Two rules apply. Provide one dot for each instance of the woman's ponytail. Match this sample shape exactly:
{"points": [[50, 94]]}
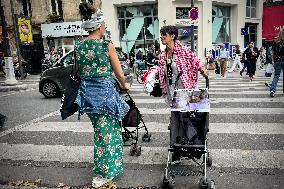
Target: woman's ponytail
{"points": [[86, 10]]}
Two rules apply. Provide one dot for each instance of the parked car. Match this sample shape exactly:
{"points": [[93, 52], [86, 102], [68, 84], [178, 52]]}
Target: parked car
{"points": [[53, 80]]}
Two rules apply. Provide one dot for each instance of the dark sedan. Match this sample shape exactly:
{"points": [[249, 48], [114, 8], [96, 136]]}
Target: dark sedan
{"points": [[52, 80]]}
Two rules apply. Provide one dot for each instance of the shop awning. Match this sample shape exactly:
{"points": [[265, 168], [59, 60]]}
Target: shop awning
{"points": [[272, 22]]}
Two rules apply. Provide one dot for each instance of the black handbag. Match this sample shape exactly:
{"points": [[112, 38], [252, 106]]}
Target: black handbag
{"points": [[68, 106], [157, 91]]}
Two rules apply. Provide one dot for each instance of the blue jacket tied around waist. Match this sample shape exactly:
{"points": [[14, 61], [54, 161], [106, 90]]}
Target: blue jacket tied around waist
{"points": [[99, 95]]}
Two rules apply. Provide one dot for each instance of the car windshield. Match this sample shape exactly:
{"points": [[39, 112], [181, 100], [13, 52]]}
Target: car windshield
{"points": [[65, 60]]}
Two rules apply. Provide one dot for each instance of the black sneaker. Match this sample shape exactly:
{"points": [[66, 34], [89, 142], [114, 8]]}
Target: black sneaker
{"points": [[241, 73], [272, 94]]}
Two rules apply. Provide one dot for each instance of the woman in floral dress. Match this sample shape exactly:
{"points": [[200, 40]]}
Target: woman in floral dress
{"points": [[98, 98]]}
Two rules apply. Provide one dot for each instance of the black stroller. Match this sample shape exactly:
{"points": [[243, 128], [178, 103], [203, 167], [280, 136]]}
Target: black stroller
{"points": [[133, 119], [189, 125]]}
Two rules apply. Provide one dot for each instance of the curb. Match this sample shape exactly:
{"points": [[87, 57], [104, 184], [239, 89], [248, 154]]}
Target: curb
{"points": [[7, 88]]}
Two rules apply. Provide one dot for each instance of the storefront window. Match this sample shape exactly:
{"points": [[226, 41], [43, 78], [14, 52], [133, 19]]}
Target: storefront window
{"points": [[252, 33], [138, 26], [221, 30], [251, 8]]}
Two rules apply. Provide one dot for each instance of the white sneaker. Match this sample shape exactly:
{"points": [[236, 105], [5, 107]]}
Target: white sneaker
{"points": [[99, 181]]}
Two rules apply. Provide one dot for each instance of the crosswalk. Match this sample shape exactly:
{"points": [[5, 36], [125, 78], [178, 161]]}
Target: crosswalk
{"points": [[246, 139]]}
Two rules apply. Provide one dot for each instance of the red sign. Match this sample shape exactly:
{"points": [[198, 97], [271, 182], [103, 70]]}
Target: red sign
{"points": [[272, 22]]}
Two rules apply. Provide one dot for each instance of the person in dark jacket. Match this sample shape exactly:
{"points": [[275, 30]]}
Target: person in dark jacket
{"points": [[250, 56], [277, 60]]}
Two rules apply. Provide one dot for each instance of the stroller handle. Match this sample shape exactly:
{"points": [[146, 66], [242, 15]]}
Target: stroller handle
{"points": [[207, 82], [117, 85], [206, 78]]}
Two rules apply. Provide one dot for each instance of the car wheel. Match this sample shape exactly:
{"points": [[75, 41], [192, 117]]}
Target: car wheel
{"points": [[50, 89]]}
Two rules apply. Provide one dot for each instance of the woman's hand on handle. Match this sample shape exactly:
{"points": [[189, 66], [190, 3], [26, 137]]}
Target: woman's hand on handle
{"points": [[126, 86], [204, 72]]}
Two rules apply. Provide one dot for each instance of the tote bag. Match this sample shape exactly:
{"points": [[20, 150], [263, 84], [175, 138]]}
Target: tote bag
{"points": [[68, 106]]}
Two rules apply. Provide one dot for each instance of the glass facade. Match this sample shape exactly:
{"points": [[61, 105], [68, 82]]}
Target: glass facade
{"points": [[138, 27], [221, 29]]}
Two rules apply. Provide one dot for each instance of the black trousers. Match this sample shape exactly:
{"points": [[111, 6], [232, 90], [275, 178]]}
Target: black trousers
{"points": [[250, 69]]}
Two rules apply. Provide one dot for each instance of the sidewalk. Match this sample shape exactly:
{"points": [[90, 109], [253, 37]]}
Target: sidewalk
{"points": [[30, 82]]}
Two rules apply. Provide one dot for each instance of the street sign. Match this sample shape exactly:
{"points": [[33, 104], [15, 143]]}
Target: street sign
{"points": [[244, 31]]}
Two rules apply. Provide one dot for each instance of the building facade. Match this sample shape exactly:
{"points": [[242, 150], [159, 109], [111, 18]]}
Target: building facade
{"points": [[136, 23]]}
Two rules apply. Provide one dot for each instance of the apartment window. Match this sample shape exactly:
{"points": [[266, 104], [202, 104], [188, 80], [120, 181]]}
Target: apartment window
{"points": [[56, 7], [27, 8], [221, 22], [251, 8]]}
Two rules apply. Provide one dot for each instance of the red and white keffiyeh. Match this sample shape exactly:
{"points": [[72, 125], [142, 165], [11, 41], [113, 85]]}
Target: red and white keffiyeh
{"points": [[187, 62]]}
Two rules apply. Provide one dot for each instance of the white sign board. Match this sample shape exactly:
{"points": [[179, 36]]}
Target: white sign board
{"points": [[63, 29]]}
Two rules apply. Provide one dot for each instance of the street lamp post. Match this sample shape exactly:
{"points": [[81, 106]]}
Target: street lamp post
{"points": [[5, 37], [17, 39], [192, 30]]}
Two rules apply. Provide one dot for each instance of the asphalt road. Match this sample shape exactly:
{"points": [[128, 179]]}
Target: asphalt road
{"points": [[246, 140]]}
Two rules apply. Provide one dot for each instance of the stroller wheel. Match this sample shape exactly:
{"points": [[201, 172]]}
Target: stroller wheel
{"points": [[206, 184], [175, 157], [146, 137], [167, 183], [132, 150], [209, 160], [138, 150]]}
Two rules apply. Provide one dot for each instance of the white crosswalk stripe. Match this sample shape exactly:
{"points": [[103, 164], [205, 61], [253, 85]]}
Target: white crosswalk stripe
{"points": [[152, 153]]}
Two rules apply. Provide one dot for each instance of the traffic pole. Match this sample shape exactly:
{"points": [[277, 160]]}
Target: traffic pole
{"points": [[192, 30], [14, 17]]}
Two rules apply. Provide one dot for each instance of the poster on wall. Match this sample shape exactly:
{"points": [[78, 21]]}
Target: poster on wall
{"points": [[25, 30]]}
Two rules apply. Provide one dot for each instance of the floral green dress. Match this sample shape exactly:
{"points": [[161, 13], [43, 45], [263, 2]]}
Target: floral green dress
{"points": [[93, 59]]}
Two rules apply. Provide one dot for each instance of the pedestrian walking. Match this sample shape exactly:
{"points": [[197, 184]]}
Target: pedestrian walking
{"points": [[177, 59], [223, 58], [255, 53], [277, 60], [237, 61], [250, 56], [98, 97]]}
